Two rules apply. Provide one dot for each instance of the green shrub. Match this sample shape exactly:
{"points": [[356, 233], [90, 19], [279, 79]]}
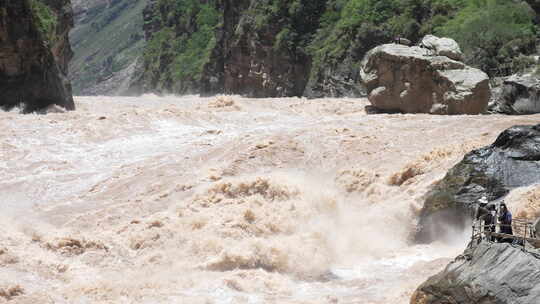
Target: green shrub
{"points": [[194, 51], [336, 34], [177, 54], [45, 18], [484, 27]]}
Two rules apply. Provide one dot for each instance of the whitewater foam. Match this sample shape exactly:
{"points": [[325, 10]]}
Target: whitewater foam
{"points": [[224, 200]]}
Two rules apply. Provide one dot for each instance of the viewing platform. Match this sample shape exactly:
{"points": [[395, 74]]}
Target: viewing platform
{"points": [[524, 233]]}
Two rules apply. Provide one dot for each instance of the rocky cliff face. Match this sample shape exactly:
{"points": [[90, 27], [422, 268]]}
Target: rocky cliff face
{"points": [[512, 161], [255, 48], [267, 48], [34, 54], [260, 58], [488, 273], [238, 47], [180, 42]]}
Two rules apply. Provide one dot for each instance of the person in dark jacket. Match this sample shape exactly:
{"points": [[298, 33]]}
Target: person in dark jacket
{"points": [[485, 216], [489, 221], [505, 218], [481, 211]]}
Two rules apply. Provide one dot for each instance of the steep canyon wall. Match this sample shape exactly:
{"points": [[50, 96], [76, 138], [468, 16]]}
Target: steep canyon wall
{"points": [[34, 54], [254, 48]]}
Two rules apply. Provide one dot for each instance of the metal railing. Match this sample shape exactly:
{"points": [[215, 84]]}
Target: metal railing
{"points": [[522, 233]]}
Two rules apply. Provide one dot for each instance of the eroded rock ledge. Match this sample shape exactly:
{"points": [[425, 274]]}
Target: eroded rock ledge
{"points": [[512, 161], [34, 52], [494, 273]]}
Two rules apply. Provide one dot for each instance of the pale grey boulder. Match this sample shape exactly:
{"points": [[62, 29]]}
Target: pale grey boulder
{"points": [[442, 47], [412, 80]]}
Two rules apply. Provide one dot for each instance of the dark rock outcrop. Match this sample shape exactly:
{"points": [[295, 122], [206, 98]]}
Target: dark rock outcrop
{"points": [[512, 161], [341, 78], [34, 56], [494, 273], [416, 80], [254, 65], [60, 43], [519, 94]]}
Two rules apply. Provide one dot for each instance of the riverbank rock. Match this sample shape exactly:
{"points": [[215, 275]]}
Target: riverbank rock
{"points": [[519, 94], [34, 58], [488, 273], [512, 161], [413, 80]]}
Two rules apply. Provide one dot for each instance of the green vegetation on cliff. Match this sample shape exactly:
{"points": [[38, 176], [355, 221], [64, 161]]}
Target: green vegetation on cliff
{"points": [[45, 18], [493, 33], [298, 20], [34, 51], [191, 40], [177, 53]]}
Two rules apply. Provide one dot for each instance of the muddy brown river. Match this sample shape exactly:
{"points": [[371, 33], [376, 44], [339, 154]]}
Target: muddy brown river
{"points": [[224, 200]]}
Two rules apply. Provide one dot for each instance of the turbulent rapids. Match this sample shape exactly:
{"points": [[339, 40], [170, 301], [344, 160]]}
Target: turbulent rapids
{"points": [[224, 200]]}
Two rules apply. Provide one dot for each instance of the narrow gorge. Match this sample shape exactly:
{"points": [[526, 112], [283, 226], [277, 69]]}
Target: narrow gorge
{"points": [[269, 151]]}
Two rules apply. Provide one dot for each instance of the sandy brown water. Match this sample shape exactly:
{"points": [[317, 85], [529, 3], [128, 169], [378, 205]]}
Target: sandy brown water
{"points": [[224, 200]]}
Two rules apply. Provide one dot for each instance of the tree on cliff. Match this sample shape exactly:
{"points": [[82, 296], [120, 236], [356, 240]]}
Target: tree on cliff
{"points": [[492, 32]]}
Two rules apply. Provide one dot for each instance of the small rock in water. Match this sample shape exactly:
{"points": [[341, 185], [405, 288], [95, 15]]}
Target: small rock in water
{"points": [[52, 109]]}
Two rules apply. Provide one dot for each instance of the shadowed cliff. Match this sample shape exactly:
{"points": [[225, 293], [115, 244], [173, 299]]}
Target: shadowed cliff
{"points": [[34, 53]]}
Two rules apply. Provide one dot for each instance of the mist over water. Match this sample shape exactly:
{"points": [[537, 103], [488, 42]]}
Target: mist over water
{"points": [[224, 200]]}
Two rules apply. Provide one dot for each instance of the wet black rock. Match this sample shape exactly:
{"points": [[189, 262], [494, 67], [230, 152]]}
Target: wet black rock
{"points": [[512, 161], [494, 273]]}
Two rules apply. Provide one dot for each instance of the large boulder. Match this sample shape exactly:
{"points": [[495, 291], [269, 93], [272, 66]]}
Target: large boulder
{"points": [[34, 57], [512, 161], [519, 94], [412, 80], [495, 273], [442, 47]]}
